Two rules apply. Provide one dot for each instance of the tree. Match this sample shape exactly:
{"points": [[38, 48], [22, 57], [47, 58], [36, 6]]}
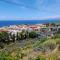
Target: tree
{"points": [[53, 24], [22, 35], [32, 34], [4, 37]]}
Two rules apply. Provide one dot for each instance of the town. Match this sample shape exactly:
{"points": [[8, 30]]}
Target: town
{"points": [[42, 30]]}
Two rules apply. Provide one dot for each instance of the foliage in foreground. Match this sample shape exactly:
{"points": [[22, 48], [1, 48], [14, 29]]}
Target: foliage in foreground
{"points": [[50, 50]]}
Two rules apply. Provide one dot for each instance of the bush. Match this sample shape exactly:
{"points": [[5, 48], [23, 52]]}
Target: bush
{"points": [[2, 45], [32, 34], [52, 57], [31, 58], [5, 56], [40, 58], [56, 36], [49, 44], [57, 41], [4, 37]]}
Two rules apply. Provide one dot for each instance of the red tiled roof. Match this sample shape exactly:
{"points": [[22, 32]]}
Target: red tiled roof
{"points": [[33, 26], [3, 30]]}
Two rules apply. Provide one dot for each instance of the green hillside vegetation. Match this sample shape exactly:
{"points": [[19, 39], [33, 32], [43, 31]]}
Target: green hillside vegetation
{"points": [[31, 48]]}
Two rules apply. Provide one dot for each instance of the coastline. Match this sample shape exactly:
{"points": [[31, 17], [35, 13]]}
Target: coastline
{"points": [[25, 22]]}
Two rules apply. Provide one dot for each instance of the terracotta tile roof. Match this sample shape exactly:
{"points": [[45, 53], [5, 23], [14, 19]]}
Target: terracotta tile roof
{"points": [[3, 30]]}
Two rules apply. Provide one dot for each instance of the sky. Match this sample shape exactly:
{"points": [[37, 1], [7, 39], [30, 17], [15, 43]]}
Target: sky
{"points": [[29, 9]]}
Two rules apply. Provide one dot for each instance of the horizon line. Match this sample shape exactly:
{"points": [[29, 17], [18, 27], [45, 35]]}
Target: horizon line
{"points": [[44, 18]]}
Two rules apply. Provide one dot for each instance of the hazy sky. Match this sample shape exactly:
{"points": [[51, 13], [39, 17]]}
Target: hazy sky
{"points": [[29, 9]]}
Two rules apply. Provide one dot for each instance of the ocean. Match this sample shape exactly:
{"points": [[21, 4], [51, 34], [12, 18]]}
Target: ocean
{"points": [[18, 22]]}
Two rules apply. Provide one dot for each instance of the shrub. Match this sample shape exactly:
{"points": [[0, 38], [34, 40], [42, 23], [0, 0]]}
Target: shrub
{"points": [[56, 36], [49, 44], [52, 57], [5, 56], [32, 34], [40, 58], [1, 45], [57, 41]]}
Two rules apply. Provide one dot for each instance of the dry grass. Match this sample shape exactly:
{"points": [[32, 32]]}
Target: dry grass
{"points": [[15, 52]]}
